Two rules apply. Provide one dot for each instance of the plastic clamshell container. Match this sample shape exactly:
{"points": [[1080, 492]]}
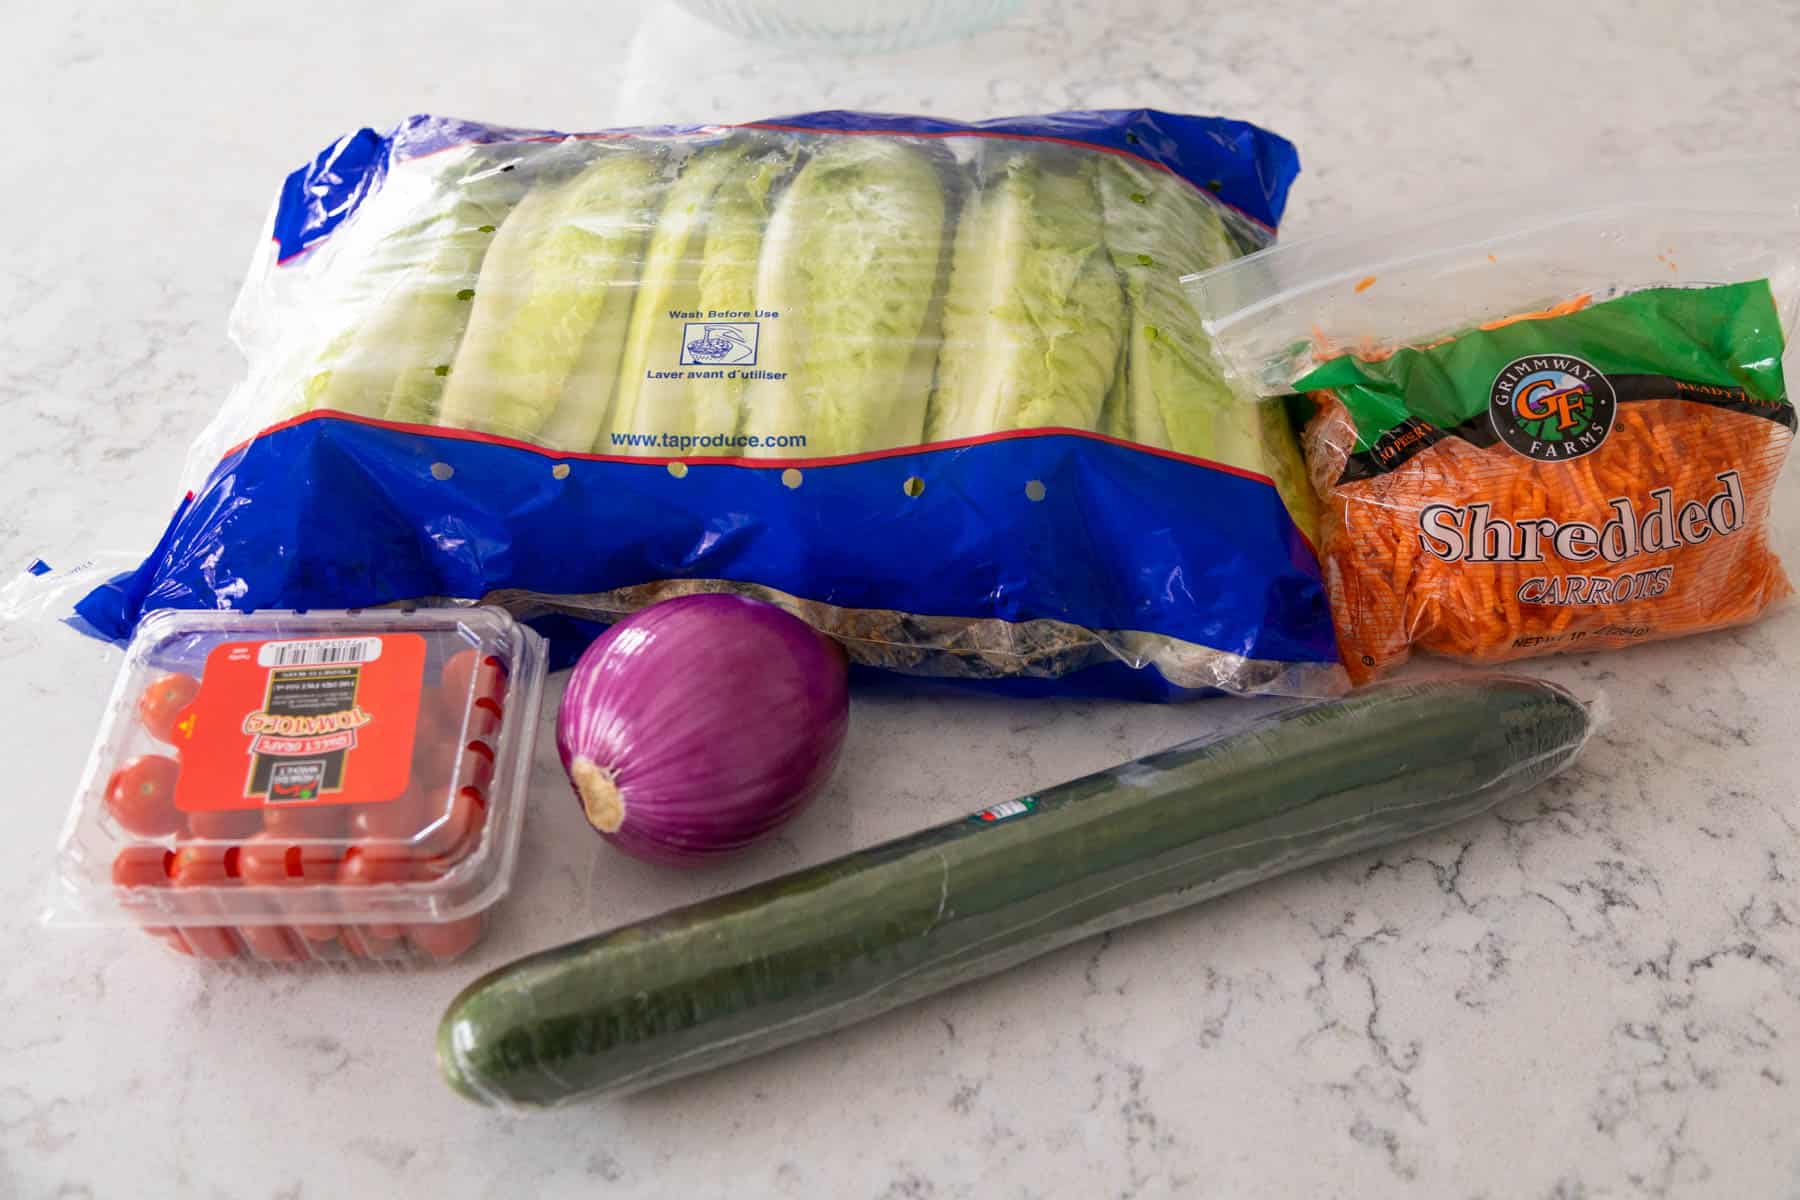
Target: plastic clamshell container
{"points": [[307, 788]]}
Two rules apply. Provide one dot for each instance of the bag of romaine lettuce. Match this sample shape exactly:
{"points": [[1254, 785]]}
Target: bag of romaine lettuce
{"points": [[933, 387]]}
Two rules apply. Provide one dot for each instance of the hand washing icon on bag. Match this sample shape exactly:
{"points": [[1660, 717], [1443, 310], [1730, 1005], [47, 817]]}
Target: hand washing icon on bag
{"points": [[719, 344]]}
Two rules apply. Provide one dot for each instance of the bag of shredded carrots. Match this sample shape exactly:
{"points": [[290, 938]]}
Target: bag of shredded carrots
{"points": [[1558, 434]]}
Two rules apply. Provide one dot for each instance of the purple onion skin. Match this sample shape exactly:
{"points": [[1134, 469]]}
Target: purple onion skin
{"points": [[699, 725]]}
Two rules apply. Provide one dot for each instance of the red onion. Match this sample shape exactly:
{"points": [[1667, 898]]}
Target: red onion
{"points": [[698, 725]]}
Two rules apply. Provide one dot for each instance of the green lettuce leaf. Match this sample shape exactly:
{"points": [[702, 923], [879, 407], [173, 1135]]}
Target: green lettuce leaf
{"points": [[551, 306], [1034, 315], [702, 258], [852, 260], [407, 319], [1175, 393]]}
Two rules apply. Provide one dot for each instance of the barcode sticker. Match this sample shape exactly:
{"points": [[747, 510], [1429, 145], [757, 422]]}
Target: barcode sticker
{"points": [[319, 652]]}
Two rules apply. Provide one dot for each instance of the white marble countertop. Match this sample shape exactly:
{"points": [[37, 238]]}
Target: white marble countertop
{"points": [[1593, 992]]}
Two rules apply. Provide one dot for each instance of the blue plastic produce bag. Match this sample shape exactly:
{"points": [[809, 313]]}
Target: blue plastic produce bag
{"points": [[931, 386]]}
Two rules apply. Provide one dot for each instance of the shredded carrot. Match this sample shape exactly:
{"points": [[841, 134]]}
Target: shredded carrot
{"points": [[1574, 304], [1369, 350], [1365, 283], [1389, 596]]}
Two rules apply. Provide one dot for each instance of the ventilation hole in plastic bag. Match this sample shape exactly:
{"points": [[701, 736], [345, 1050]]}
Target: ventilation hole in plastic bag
{"points": [[559, 471], [1034, 491], [790, 478], [678, 470], [914, 486], [442, 470]]}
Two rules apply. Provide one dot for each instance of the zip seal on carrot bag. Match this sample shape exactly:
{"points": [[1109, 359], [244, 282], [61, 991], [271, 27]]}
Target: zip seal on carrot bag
{"points": [[1536, 430]]}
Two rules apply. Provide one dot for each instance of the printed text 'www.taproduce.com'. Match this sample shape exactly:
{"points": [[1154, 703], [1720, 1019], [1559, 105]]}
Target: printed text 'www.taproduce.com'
{"points": [[710, 441]]}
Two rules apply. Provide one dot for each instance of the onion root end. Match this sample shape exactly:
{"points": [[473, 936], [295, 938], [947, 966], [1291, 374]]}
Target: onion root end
{"points": [[600, 797]]}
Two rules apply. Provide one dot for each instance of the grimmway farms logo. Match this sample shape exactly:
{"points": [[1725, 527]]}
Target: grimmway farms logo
{"points": [[1552, 407]]}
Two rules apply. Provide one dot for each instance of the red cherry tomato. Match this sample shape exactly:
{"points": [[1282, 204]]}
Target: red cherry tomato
{"points": [[450, 718], [477, 767], [434, 830], [447, 939], [306, 822], [173, 940], [162, 703], [363, 942], [361, 869], [266, 861], [206, 865], [454, 834], [484, 719], [144, 866], [211, 941], [230, 825], [468, 667], [470, 765], [434, 741], [440, 715], [273, 943], [202, 864], [141, 795], [441, 757], [397, 821], [458, 672]]}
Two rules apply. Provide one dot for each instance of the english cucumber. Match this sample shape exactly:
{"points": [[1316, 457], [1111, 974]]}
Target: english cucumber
{"points": [[823, 947]]}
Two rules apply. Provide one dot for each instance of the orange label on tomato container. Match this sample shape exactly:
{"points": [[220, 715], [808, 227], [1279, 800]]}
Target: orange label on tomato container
{"points": [[302, 722]]}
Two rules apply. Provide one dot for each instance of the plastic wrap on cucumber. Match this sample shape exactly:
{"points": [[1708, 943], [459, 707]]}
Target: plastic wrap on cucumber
{"points": [[835, 943]]}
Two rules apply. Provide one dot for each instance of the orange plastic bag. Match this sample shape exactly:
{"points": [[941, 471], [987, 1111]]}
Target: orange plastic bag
{"points": [[1389, 592], [1575, 473]]}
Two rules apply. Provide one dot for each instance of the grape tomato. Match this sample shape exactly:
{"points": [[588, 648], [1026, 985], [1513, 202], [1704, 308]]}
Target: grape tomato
{"points": [[294, 788], [143, 866], [321, 823], [447, 939], [272, 943], [230, 825], [140, 795], [472, 669], [164, 702], [363, 941]]}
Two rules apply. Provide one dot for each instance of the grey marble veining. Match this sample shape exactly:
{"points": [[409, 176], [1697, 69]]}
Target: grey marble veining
{"points": [[1593, 992]]}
